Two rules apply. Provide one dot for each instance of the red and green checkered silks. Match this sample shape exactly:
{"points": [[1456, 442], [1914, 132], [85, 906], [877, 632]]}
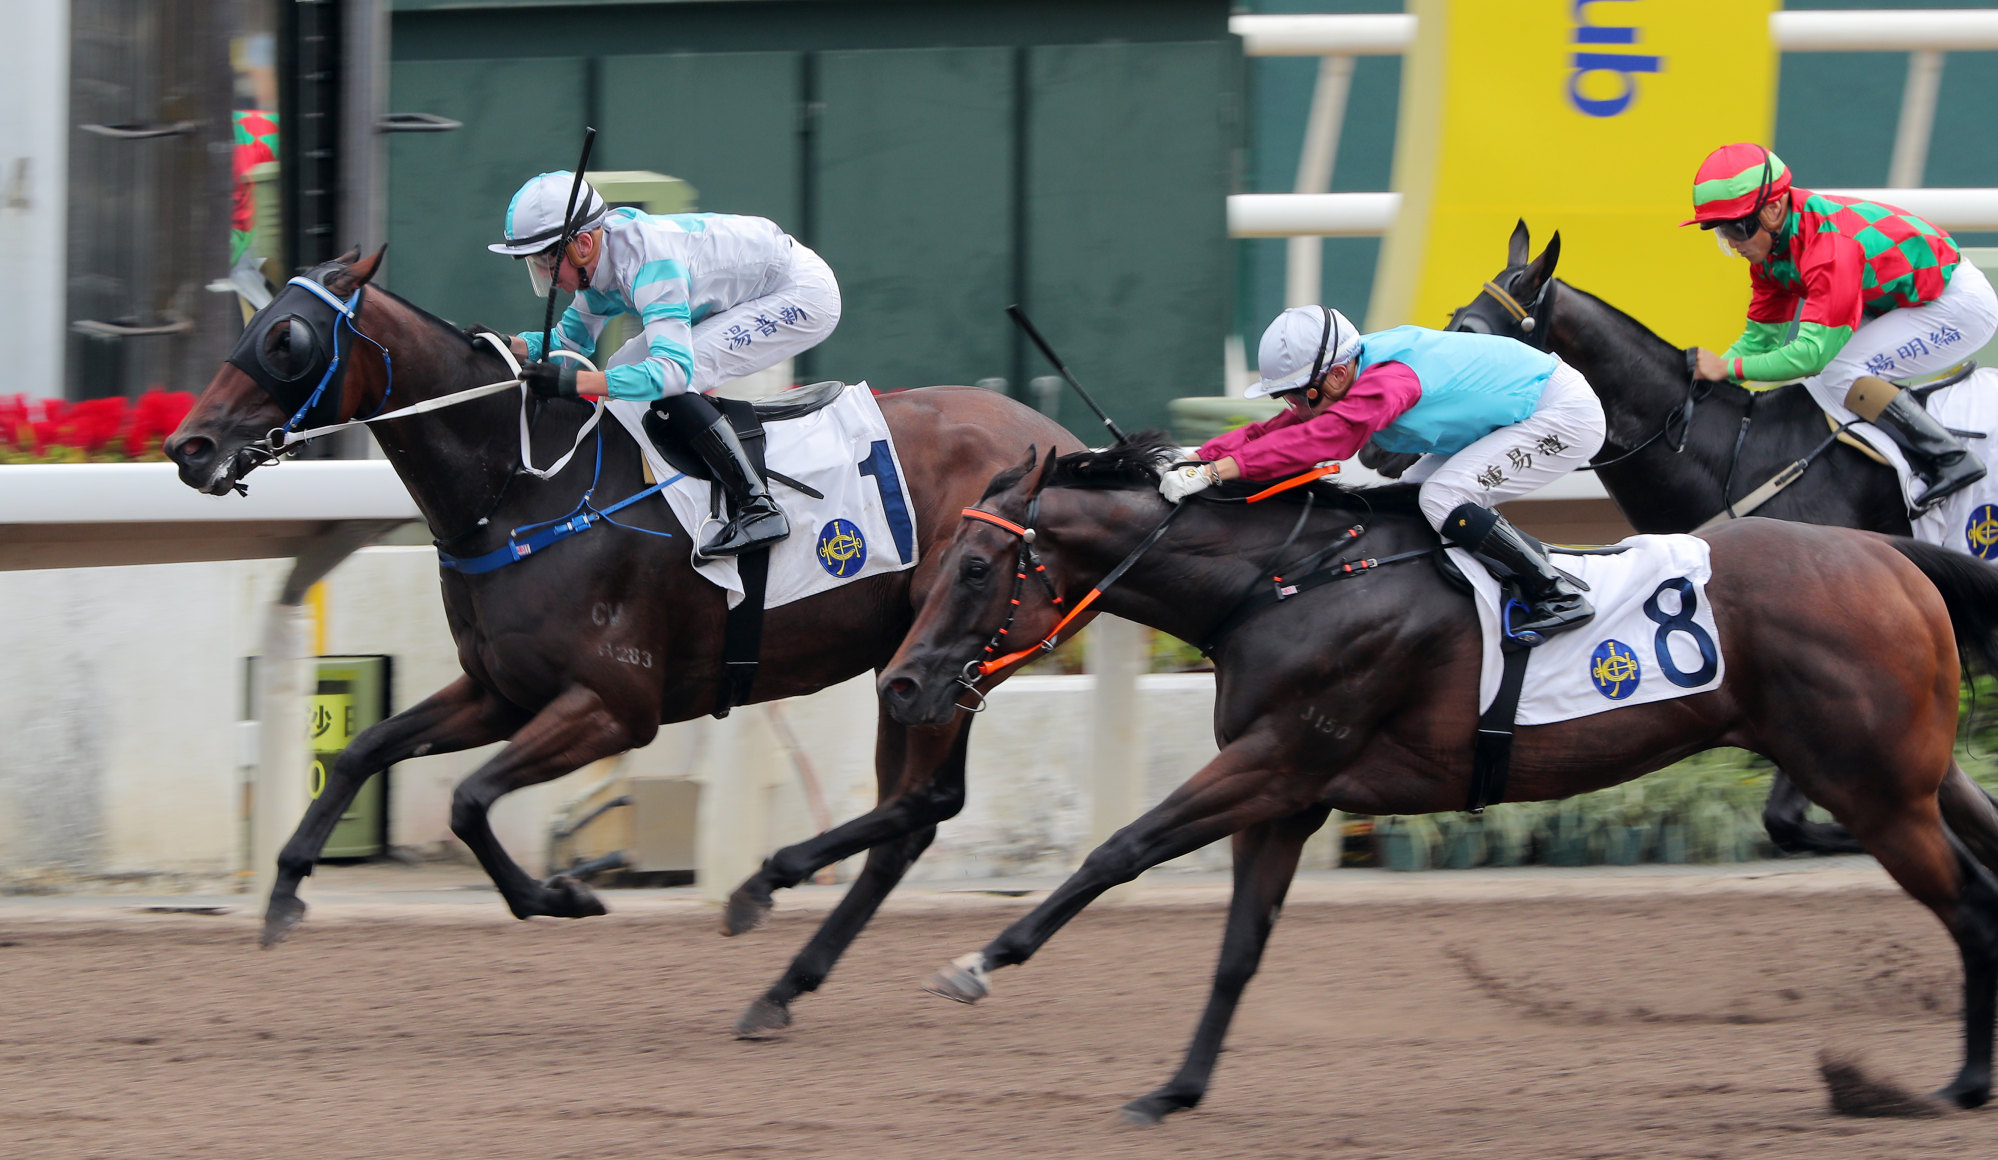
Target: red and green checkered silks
{"points": [[256, 143], [1846, 261], [1730, 179]]}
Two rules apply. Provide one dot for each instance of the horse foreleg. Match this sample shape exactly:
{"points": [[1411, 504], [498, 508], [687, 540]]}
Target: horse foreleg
{"points": [[1235, 790], [1783, 817], [919, 781], [895, 835], [1265, 861], [574, 729], [460, 716]]}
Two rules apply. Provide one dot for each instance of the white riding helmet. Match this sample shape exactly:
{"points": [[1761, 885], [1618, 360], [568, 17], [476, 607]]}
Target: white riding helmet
{"points": [[1300, 345], [534, 219]]}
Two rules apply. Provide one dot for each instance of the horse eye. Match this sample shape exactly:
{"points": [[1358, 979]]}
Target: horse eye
{"points": [[976, 569], [277, 345]]}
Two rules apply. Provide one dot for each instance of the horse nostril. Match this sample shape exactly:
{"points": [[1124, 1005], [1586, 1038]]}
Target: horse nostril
{"points": [[193, 451], [901, 688]]}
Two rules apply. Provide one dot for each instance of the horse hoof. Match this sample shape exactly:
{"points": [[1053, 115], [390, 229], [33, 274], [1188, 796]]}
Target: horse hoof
{"points": [[1964, 1095], [746, 910], [1143, 1113], [279, 918], [963, 981], [764, 1018], [567, 898]]}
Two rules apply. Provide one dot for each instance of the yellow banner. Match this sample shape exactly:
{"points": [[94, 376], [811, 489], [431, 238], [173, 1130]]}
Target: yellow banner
{"points": [[332, 722], [1585, 116]]}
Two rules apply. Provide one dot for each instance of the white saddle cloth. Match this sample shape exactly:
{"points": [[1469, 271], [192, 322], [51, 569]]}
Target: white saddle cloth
{"points": [[1653, 637], [863, 527], [1968, 520]]}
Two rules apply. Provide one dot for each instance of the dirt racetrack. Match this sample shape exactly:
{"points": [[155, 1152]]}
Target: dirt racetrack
{"points": [[1676, 1024]]}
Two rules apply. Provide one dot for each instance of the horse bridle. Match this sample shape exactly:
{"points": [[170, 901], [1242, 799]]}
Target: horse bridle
{"points": [[318, 315], [1535, 332], [988, 661]]}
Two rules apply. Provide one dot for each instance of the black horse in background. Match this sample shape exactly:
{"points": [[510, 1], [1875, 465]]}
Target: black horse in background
{"points": [[1680, 451]]}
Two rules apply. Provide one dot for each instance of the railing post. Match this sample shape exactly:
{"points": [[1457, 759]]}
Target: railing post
{"points": [[1305, 256], [1918, 118], [1116, 744]]}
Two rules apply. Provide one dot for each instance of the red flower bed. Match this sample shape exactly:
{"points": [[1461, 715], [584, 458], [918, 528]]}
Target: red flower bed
{"points": [[95, 431]]}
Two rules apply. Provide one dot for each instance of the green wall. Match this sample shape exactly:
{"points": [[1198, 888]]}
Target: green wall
{"points": [[946, 159]]}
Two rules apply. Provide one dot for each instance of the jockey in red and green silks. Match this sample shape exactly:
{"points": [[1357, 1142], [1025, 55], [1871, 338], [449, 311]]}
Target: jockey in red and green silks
{"points": [[1844, 295]]}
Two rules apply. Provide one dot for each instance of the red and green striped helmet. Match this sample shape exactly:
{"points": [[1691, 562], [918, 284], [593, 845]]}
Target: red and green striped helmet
{"points": [[1735, 181]]}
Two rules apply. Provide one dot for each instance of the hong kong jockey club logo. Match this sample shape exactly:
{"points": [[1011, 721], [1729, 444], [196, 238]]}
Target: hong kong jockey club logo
{"points": [[1980, 534], [842, 550], [1614, 669]]}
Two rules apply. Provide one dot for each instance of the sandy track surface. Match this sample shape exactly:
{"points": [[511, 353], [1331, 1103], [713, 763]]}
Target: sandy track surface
{"points": [[1674, 1018]]}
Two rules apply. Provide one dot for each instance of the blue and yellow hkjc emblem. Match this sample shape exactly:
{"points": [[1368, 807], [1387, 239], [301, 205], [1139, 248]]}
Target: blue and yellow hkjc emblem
{"points": [[1980, 535], [1614, 669], [842, 550]]}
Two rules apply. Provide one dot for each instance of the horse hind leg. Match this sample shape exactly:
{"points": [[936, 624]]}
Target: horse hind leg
{"points": [[1783, 817], [1265, 862], [1931, 864], [574, 729]]}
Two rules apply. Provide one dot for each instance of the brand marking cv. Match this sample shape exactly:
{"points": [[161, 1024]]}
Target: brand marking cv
{"points": [[1624, 65]]}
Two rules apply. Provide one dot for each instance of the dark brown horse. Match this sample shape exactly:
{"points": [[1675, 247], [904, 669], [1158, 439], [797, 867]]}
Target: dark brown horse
{"points": [[538, 672], [1670, 468], [1841, 664]]}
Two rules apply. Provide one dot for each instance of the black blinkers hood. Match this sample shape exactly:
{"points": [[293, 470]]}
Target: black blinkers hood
{"points": [[305, 380]]}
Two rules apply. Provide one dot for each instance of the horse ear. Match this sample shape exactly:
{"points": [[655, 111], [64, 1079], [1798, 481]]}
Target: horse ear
{"points": [[1521, 244], [357, 273], [1047, 472], [352, 256], [1542, 269]]}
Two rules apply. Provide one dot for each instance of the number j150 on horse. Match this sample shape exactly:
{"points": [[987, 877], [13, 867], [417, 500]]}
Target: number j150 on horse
{"points": [[1841, 664], [536, 673]]}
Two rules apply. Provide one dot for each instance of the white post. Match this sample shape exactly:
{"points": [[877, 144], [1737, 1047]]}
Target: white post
{"points": [[1116, 746], [1304, 266], [279, 795], [734, 827], [1918, 117]]}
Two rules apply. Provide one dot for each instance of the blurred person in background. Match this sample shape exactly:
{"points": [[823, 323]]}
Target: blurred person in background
{"points": [[1495, 419], [1875, 292], [719, 296]]}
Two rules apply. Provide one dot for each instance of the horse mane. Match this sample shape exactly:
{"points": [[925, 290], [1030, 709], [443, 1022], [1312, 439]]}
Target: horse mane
{"points": [[1135, 463]]}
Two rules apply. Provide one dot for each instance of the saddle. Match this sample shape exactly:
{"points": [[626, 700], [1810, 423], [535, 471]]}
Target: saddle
{"points": [[748, 419]]}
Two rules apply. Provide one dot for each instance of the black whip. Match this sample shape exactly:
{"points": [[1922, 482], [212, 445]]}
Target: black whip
{"points": [[1020, 316], [568, 234]]}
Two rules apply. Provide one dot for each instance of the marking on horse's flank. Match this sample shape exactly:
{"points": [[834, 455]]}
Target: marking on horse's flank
{"points": [[625, 654], [1324, 724], [606, 613]]}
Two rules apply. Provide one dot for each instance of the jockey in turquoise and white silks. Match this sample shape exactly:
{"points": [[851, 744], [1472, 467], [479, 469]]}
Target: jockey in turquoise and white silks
{"points": [[1493, 418], [718, 296]]}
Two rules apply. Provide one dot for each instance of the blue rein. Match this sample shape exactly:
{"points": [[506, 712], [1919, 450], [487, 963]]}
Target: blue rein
{"points": [[528, 539]]}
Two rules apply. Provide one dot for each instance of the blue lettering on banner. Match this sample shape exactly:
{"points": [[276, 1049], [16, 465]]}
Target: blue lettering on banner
{"points": [[880, 463], [841, 550], [1625, 66], [1615, 670], [1681, 621]]}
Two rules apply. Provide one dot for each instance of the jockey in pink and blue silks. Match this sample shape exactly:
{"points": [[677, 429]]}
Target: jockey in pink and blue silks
{"points": [[1493, 417]]}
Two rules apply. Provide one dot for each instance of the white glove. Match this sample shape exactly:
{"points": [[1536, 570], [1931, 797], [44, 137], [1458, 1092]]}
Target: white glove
{"points": [[1179, 482]]}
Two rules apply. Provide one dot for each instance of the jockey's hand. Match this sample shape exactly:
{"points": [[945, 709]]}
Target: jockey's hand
{"points": [[550, 380], [512, 341], [1179, 482], [1711, 367]]}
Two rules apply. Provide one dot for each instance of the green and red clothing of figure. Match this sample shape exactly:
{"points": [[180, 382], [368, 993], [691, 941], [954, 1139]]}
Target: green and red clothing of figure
{"points": [[1873, 292], [256, 143]]}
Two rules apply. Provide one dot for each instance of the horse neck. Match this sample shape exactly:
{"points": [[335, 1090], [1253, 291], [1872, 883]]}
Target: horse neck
{"points": [[1196, 574], [455, 462]]}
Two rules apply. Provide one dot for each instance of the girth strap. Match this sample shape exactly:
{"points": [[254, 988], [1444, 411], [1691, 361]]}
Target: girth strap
{"points": [[1491, 753], [742, 632]]}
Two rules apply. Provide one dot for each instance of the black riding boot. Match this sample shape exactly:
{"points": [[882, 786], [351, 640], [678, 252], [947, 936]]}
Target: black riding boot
{"points": [[1554, 603], [1946, 465], [756, 520]]}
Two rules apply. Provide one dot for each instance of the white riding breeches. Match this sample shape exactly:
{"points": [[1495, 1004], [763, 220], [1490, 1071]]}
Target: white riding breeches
{"points": [[1564, 431], [1914, 340], [793, 316]]}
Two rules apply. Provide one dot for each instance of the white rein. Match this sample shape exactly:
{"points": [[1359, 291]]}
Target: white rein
{"points": [[284, 440]]}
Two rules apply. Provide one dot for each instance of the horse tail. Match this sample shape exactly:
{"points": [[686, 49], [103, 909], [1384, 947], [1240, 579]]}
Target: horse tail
{"points": [[1969, 588]]}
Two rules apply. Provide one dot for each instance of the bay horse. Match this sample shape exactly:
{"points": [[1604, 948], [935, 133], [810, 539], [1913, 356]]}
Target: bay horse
{"points": [[537, 672], [1678, 452], [1842, 664]]}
